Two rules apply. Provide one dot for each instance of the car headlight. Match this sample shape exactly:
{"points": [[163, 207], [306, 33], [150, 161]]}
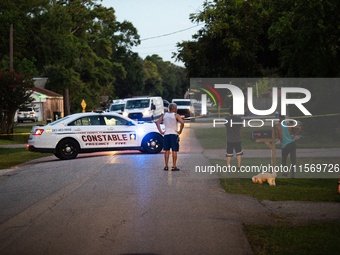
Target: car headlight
{"points": [[125, 114], [146, 113]]}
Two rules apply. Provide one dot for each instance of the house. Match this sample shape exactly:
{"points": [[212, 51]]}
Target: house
{"points": [[49, 103]]}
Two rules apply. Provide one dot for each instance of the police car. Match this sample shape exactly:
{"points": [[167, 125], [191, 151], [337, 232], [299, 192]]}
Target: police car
{"points": [[93, 132]]}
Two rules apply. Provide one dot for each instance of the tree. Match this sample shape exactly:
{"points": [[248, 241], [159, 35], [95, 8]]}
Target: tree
{"points": [[230, 42], [153, 81], [306, 34], [14, 93], [174, 80]]}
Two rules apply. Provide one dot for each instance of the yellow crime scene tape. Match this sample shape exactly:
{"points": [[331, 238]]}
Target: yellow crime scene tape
{"points": [[298, 117], [15, 134]]}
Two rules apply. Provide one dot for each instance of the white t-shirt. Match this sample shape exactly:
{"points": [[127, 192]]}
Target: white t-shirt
{"points": [[170, 123]]}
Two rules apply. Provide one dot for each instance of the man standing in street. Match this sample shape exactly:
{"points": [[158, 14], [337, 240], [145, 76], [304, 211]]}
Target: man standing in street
{"points": [[171, 134], [234, 125], [283, 131]]}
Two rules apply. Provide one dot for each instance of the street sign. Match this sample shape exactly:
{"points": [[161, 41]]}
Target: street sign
{"points": [[83, 104]]}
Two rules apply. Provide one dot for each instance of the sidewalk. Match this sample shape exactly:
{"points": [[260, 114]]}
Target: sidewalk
{"points": [[13, 146]]}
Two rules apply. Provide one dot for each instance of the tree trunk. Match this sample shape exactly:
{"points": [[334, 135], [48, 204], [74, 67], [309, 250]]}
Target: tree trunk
{"points": [[66, 102], [7, 122]]}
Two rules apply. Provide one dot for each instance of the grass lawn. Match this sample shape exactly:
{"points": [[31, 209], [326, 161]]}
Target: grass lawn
{"points": [[316, 238], [20, 136], [302, 188], [13, 157], [215, 138]]}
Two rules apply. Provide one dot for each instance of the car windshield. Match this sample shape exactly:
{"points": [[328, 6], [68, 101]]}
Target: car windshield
{"points": [[116, 107], [58, 121], [25, 109], [134, 104], [182, 102]]}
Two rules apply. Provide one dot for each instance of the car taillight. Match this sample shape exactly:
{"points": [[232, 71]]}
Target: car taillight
{"points": [[38, 131], [31, 112], [19, 112]]}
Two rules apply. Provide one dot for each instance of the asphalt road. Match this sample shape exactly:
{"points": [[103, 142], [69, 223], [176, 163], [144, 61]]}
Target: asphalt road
{"points": [[124, 203]]}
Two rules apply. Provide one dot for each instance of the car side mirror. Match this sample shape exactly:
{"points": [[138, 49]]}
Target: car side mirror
{"points": [[122, 108], [153, 107]]}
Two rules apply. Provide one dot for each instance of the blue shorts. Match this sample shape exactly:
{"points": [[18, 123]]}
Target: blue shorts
{"points": [[171, 141]]}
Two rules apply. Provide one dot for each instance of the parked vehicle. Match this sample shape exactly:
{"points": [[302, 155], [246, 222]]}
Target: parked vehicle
{"points": [[93, 132], [166, 105], [184, 107], [27, 113], [117, 106], [144, 108]]}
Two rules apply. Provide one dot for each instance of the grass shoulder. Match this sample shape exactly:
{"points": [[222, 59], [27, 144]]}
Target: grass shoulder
{"points": [[13, 157], [302, 188], [215, 138], [288, 238]]}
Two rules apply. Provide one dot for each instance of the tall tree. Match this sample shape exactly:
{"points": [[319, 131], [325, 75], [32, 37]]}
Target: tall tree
{"points": [[306, 33], [230, 42]]}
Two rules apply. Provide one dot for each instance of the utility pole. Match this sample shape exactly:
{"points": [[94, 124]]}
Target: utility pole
{"points": [[11, 48]]}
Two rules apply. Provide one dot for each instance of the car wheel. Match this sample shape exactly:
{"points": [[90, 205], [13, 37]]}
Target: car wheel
{"points": [[57, 155], [67, 149], [152, 143]]}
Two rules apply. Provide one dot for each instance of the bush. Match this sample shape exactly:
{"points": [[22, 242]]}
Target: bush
{"points": [[14, 93]]}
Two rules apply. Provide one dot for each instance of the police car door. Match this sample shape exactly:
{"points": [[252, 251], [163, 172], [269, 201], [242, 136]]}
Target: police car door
{"points": [[89, 131], [120, 132]]}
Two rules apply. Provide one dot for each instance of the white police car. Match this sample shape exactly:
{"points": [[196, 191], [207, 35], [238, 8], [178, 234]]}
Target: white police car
{"points": [[93, 132]]}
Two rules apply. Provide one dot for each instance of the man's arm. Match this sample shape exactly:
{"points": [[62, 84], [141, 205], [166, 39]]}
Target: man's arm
{"points": [[180, 120], [297, 131], [158, 123], [277, 131]]}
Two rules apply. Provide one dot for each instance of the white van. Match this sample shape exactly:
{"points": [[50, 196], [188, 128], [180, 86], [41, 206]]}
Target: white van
{"points": [[144, 108], [117, 105]]}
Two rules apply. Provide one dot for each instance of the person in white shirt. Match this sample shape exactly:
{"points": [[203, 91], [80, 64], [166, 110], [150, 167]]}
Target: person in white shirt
{"points": [[171, 134]]}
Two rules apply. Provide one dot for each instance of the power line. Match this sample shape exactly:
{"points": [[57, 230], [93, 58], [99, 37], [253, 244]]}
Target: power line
{"points": [[170, 33], [157, 52], [154, 46]]}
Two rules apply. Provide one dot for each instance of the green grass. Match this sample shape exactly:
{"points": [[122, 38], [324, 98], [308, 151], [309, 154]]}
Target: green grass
{"points": [[286, 189], [18, 136], [13, 157], [285, 239], [215, 138]]}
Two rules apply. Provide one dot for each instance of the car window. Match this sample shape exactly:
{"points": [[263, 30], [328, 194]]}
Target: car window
{"points": [[58, 121], [140, 103], [182, 102], [25, 109], [87, 121], [113, 121], [116, 107]]}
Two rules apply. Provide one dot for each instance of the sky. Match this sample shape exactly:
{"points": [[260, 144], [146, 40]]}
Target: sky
{"points": [[153, 18]]}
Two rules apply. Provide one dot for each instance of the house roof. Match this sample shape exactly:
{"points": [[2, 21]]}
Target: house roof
{"points": [[46, 92]]}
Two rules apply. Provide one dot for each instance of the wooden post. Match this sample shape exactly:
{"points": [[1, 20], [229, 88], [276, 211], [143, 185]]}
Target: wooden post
{"points": [[273, 148], [271, 143]]}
